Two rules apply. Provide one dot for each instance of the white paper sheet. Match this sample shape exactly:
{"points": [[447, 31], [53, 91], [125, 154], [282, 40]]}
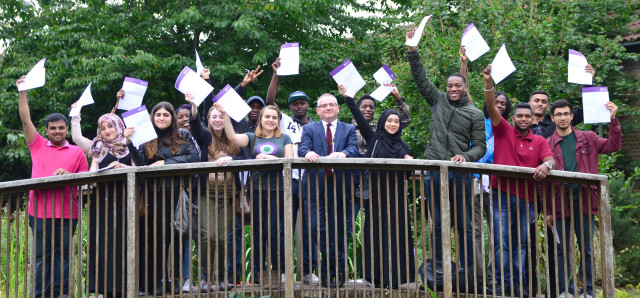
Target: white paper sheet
{"points": [[576, 72], [347, 75], [413, 42], [475, 46], [199, 66], [289, 59], [382, 92], [189, 81], [233, 104], [384, 75], [85, 99], [134, 90], [501, 67], [35, 78], [106, 168], [594, 100], [140, 120]]}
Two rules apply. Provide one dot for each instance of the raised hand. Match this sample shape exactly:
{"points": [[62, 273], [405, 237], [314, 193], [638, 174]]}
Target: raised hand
{"points": [[343, 90], [463, 54], [613, 108], [205, 73], [275, 65], [251, 76], [486, 74], [408, 37]]}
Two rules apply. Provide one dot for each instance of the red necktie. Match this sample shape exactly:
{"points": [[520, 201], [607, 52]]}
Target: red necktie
{"points": [[329, 144]]}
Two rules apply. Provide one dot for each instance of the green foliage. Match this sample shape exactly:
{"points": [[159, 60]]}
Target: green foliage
{"points": [[625, 225]]}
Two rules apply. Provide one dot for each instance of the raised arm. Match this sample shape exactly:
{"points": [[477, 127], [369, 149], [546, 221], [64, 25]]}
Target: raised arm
{"points": [[463, 68], [365, 129], [273, 86], [76, 134], [25, 115], [403, 107], [614, 142], [241, 140], [427, 89], [119, 96], [490, 97]]}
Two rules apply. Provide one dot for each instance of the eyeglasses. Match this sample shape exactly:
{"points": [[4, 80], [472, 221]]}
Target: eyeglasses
{"points": [[326, 105], [560, 115]]}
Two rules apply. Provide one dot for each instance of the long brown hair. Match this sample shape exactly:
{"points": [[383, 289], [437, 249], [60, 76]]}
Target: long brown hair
{"points": [[222, 143], [260, 131], [172, 138]]}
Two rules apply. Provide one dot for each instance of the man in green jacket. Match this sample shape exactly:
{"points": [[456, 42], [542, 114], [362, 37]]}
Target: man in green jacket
{"points": [[456, 134]]}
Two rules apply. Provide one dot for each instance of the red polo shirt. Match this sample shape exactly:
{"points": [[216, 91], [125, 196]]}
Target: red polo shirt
{"points": [[513, 149]]}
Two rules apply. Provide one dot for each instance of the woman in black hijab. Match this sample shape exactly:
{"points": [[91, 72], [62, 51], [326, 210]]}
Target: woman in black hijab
{"points": [[388, 241]]}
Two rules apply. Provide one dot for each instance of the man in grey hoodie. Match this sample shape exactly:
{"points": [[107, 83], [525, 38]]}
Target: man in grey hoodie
{"points": [[456, 133]]}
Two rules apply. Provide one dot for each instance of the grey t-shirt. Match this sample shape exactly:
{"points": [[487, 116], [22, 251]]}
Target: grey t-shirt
{"points": [[272, 146]]}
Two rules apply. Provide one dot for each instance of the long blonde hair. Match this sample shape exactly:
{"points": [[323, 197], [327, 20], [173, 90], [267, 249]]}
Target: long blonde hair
{"points": [[260, 131], [222, 143]]}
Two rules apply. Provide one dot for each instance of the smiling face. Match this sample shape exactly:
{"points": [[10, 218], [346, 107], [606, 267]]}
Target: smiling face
{"points": [[183, 118], [501, 104], [269, 120], [57, 132], [539, 104], [456, 88], [368, 109], [562, 117], [107, 131], [522, 119], [328, 108], [216, 120], [162, 119], [392, 124]]}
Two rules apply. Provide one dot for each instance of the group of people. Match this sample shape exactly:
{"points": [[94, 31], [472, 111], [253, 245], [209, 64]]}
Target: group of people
{"points": [[459, 132]]}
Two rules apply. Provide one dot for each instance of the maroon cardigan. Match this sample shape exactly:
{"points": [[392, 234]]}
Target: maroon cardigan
{"points": [[588, 146]]}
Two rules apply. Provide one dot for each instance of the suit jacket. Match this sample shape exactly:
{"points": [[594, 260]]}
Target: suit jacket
{"points": [[314, 139]]}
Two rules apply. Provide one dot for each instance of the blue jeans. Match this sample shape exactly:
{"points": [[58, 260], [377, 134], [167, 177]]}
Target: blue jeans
{"points": [[462, 204], [52, 242], [310, 258], [505, 216], [583, 225], [186, 257]]}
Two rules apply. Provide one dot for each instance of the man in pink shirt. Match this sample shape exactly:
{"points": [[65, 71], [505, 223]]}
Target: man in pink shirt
{"points": [[53, 213], [512, 201]]}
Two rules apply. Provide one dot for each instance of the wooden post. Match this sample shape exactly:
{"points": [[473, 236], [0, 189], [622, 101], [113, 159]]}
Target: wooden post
{"points": [[445, 232], [288, 231], [606, 242], [132, 235]]}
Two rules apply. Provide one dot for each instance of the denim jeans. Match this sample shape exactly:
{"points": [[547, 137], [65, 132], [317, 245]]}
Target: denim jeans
{"points": [[462, 204], [52, 240], [584, 226], [509, 214]]}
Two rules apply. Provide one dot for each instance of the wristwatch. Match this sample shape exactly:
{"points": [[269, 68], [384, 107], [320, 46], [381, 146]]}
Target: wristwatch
{"points": [[549, 165]]}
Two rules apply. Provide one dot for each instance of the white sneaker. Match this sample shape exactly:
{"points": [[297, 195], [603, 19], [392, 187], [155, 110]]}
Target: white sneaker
{"points": [[585, 296], [205, 286], [565, 295], [283, 279], [311, 279], [186, 288]]}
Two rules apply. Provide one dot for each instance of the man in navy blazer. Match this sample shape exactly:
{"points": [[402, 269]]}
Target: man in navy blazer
{"points": [[330, 210]]}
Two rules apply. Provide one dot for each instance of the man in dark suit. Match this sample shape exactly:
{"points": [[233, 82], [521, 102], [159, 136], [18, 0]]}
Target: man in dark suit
{"points": [[330, 209]]}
